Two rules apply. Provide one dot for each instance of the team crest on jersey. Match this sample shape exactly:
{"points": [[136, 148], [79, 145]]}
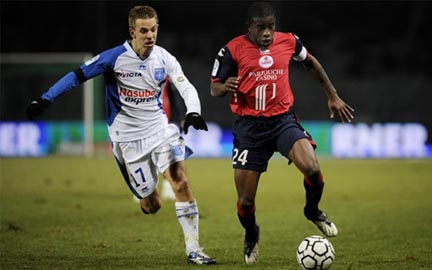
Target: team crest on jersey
{"points": [[159, 74], [266, 61]]}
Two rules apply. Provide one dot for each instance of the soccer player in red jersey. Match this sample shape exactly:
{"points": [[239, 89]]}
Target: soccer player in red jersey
{"points": [[254, 69]]}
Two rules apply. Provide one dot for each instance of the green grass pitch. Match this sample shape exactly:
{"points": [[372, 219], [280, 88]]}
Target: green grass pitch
{"points": [[77, 213]]}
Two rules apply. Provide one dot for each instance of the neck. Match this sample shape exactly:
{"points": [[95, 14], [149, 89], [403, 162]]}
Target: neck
{"points": [[140, 51]]}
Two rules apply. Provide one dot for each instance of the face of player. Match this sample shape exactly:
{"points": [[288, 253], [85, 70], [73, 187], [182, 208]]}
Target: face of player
{"points": [[261, 31], [144, 35]]}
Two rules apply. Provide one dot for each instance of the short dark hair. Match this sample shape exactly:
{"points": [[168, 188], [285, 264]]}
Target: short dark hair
{"points": [[141, 12], [258, 10]]}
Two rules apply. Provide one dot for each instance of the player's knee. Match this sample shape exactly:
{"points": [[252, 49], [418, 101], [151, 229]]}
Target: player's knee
{"points": [[150, 209], [312, 170], [151, 205], [313, 173], [154, 208], [145, 212], [245, 205]]}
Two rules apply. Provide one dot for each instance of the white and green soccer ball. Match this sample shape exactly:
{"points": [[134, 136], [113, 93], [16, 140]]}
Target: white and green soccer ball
{"points": [[315, 253]]}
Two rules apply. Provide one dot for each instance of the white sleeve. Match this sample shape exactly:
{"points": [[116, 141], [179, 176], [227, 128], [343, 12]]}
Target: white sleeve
{"points": [[186, 89], [187, 92]]}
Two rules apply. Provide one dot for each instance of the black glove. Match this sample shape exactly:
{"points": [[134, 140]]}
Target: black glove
{"points": [[36, 108], [195, 120]]}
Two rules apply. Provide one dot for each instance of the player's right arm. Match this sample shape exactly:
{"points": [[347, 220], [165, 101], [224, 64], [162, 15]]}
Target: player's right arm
{"points": [[66, 83], [335, 103], [71, 80], [317, 72], [223, 79]]}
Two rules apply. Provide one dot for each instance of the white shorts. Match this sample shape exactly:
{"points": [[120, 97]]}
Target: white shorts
{"points": [[140, 161]]}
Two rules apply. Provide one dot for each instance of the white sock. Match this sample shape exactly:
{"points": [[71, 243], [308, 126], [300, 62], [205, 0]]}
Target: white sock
{"points": [[188, 217]]}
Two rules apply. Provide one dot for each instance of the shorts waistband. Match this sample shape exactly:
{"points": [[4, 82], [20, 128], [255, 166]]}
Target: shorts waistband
{"points": [[267, 119]]}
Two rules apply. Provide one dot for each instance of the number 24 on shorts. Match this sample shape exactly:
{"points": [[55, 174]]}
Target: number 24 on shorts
{"points": [[240, 157]]}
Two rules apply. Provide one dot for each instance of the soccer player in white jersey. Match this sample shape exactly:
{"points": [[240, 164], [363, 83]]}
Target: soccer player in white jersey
{"points": [[144, 143]]}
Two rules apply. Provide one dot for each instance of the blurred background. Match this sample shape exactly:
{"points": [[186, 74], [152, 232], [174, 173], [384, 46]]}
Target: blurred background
{"points": [[377, 54]]}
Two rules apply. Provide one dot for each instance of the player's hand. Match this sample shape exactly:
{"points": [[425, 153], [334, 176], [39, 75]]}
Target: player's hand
{"points": [[345, 111], [195, 120], [36, 108], [231, 84]]}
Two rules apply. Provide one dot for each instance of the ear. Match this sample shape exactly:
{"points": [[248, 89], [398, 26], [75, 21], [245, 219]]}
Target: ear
{"points": [[132, 33]]}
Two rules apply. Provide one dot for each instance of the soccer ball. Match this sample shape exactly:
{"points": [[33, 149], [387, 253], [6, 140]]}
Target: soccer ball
{"points": [[315, 252]]}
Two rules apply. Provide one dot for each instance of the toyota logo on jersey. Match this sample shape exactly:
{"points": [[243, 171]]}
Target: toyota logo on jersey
{"points": [[124, 74]]}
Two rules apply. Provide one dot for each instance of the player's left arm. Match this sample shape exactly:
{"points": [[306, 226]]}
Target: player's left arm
{"points": [[189, 94], [317, 72], [334, 102]]}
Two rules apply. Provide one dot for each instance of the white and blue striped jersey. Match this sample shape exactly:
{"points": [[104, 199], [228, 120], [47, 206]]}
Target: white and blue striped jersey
{"points": [[133, 89]]}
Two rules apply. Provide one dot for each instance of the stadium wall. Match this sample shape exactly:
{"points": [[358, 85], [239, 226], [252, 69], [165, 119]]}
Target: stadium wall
{"points": [[378, 140]]}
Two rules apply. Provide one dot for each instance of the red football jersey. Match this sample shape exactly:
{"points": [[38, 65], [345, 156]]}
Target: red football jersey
{"points": [[264, 88]]}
